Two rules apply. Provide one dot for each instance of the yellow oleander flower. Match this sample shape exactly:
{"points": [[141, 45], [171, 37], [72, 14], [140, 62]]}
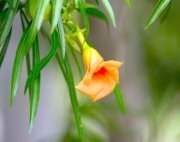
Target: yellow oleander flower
{"points": [[101, 76]]}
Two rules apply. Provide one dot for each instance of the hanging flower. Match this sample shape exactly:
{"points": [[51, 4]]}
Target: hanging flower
{"points": [[101, 76]]}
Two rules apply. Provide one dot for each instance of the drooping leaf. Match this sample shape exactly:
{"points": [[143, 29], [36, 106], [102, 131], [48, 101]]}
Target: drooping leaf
{"points": [[67, 72], [34, 90], [17, 66], [119, 98], [74, 102], [25, 44], [37, 69], [109, 10], [85, 19], [56, 10], [4, 49], [160, 6], [35, 86]]}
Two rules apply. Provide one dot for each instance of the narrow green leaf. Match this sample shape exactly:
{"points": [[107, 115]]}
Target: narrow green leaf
{"points": [[4, 49], [34, 90], [25, 43], [7, 23], [74, 101], [160, 6], [37, 69], [35, 86], [67, 72], [119, 98], [81, 6], [61, 35], [56, 11], [109, 10], [17, 66]]}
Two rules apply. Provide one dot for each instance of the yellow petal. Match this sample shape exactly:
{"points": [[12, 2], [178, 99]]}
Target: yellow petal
{"points": [[92, 58]]}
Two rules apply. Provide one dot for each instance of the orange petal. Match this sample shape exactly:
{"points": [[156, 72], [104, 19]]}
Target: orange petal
{"points": [[99, 87], [112, 63], [112, 69]]}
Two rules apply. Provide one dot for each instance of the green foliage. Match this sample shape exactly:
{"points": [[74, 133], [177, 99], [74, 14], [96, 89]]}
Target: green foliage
{"points": [[63, 29]]}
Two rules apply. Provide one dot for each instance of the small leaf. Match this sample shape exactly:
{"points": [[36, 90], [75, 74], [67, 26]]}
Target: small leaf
{"points": [[4, 49], [160, 6], [81, 6], [97, 13], [37, 69], [119, 98], [35, 86], [56, 11], [109, 10], [61, 35]]}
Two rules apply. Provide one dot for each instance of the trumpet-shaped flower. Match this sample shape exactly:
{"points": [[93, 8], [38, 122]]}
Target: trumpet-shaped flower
{"points": [[101, 76]]}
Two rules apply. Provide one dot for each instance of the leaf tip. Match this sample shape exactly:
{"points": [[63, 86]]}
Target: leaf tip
{"points": [[30, 127]]}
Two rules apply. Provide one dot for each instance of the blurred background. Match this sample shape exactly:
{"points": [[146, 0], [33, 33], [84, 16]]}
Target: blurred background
{"points": [[149, 79]]}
